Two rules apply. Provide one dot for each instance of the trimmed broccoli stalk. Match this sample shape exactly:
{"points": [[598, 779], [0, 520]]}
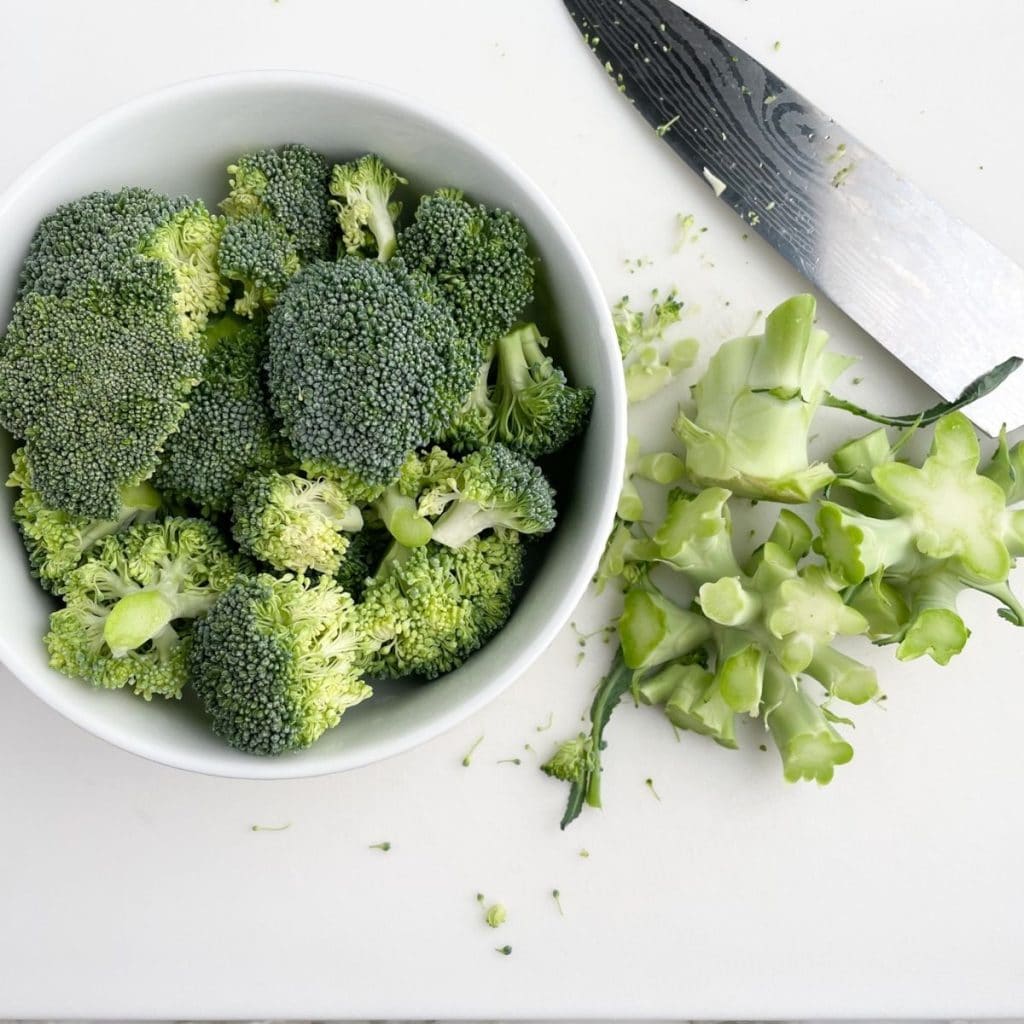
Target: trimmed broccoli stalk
{"points": [[259, 254], [129, 606], [290, 187], [755, 404], [656, 467], [227, 431], [494, 488], [293, 523], [537, 410], [695, 536], [652, 370], [57, 541], [692, 699], [479, 259], [578, 761], [96, 383], [810, 748], [277, 661], [653, 629], [155, 252], [366, 212], [627, 557], [363, 368], [430, 608]]}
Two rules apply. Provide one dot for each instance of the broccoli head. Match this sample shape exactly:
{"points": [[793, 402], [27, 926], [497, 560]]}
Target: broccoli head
{"points": [[478, 257], [363, 367], [494, 488], [428, 609], [161, 252], [290, 187], [130, 605], [227, 431], [277, 661], [474, 423], [359, 563], [257, 253], [57, 541], [293, 523], [95, 385], [366, 211], [537, 410]]}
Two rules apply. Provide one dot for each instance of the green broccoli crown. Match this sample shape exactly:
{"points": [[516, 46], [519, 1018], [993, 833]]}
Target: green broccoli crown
{"points": [[537, 410], [494, 488], [162, 250], [366, 211], [227, 431], [129, 606], [362, 367], [430, 608], [95, 386], [293, 523], [257, 252], [277, 661], [478, 257], [290, 185], [57, 541]]}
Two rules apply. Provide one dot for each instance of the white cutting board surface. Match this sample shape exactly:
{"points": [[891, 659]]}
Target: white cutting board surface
{"points": [[129, 889]]}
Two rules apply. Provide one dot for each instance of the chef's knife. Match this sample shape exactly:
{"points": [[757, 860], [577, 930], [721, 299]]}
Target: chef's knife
{"points": [[944, 301]]}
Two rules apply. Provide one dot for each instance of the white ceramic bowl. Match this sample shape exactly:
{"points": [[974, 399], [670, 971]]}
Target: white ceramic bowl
{"points": [[179, 140]]}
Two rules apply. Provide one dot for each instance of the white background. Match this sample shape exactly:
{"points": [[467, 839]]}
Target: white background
{"points": [[128, 889]]}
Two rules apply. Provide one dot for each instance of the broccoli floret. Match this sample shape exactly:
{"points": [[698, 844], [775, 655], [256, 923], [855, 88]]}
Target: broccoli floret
{"points": [[293, 523], [478, 257], [362, 557], [430, 608], [57, 541], [227, 432], [258, 253], [130, 605], [537, 412], [494, 488], [161, 252], [95, 385], [363, 368], [366, 211], [290, 186], [277, 661], [475, 423]]}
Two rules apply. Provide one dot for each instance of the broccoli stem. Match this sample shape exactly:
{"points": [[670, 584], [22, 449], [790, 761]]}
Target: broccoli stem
{"points": [[653, 630], [842, 676], [809, 746], [461, 522], [137, 618], [402, 519], [587, 789], [513, 361]]}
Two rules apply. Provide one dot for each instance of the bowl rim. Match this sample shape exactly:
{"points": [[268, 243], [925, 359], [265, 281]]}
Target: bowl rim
{"points": [[294, 768]]}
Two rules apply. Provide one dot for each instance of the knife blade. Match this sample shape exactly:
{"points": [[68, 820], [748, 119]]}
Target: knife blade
{"points": [[943, 300]]}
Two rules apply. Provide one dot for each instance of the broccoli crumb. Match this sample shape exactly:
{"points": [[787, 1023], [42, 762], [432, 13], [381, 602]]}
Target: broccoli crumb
{"points": [[271, 828], [547, 725], [510, 760], [557, 897], [663, 129], [763, 748], [777, 45], [496, 915], [649, 783], [584, 854], [503, 950], [383, 847], [468, 759], [841, 175]]}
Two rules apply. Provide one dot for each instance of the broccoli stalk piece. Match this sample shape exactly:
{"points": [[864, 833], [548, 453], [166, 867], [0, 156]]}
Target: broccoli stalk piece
{"points": [[429, 608], [755, 404], [656, 467], [363, 368], [293, 523], [537, 410], [479, 259], [627, 557], [57, 541], [277, 661], [366, 212], [810, 748], [129, 606], [692, 699], [227, 431], [494, 488]]}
